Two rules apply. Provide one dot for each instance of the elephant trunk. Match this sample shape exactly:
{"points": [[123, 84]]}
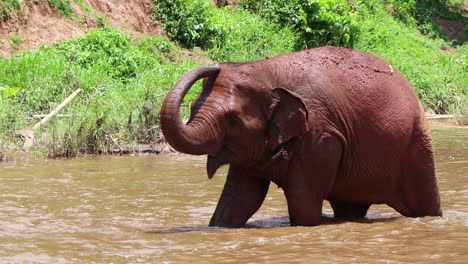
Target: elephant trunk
{"points": [[186, 138]]}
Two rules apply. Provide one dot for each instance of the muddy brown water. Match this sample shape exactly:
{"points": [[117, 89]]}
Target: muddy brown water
{"points": [[155, 209]]}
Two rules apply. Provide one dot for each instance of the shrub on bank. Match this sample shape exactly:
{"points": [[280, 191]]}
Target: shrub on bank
{"points": [[315, 22]]}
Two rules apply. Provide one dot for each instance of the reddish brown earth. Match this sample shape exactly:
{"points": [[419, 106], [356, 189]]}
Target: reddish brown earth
{"points": [[38, 23]]}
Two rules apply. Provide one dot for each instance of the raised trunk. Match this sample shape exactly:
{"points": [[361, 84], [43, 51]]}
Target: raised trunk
{"points": [[186, 138]]}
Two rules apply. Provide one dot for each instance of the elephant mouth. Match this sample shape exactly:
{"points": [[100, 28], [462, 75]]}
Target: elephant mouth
{"points": [[213, 165], [214, 162]]}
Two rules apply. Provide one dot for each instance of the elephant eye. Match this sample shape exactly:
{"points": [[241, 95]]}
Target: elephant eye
{"points": [[235, 121]]}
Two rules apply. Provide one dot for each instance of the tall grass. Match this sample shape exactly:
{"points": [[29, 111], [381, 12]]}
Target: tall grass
{"points": [[249, 37], [422, 14], [123, 84], [440, 78]]}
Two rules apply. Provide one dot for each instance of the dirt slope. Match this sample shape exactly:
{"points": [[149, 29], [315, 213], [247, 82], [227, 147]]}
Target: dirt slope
{"points": [[38, 23]]}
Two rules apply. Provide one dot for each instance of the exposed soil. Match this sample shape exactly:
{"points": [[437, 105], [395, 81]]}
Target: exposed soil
{"points": [[133, 16], [38, 23], [455, 30]]}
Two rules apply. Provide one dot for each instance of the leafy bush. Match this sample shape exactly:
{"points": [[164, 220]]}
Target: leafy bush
{"points": [[316, 22], [109, 50], [7, 8], [189, 22], [62, 7]]}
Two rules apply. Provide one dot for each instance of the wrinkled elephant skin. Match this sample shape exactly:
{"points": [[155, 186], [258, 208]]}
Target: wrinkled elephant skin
{"points": [[323, 124]]}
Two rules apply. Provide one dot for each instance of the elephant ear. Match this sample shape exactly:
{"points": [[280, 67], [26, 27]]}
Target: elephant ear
{"points": [[289, 118]]}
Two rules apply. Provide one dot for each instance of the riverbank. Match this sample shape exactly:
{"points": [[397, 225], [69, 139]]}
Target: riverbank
{"points": [[160, 145]]}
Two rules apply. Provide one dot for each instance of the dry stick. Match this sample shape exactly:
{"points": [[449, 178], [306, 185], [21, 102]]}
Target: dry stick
{"points": [[429, 116], [28, 134], [116, 143], [59, 115], [57, 109]]}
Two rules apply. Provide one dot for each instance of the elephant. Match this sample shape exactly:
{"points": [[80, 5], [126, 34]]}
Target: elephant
{"points": [[328, 123]]}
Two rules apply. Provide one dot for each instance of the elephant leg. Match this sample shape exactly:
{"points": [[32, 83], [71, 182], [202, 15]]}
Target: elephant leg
{"points": [[304, 207], [343, 209], [310, 178], [243, 194], [419, 193]]}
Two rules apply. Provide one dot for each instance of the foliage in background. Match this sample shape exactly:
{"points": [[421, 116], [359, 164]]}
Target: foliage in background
{"points": [[7, 8], [440, 79], [190, 22], [302, 23], [249, 37], [316, 22], [422, 14], [224, 34], [62, 7]]}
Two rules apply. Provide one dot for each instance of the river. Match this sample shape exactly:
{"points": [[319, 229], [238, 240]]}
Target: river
{"points": [[155, 209]]}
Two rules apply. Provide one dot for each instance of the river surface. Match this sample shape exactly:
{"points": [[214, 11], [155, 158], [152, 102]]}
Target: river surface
{"points": [[155, 209]]}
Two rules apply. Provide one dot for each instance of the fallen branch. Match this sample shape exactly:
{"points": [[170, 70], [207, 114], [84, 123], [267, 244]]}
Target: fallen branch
{"points": [[430, 116], [57, 109], [58, 115], [28, 134]]}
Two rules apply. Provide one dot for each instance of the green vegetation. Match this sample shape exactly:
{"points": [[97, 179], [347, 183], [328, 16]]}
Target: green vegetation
{"points": [[125, 80], [225, 35], [123, 84], [62, 7], [7, 8], [316, 23], [16, 40], [440, 79], [422, 14]]}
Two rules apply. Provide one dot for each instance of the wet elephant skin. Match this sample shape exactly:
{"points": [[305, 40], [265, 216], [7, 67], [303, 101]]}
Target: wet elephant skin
{"points": [[323, 124]]}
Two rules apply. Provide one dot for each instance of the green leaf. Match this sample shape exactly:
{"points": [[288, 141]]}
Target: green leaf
{"points": [[8, 91]]}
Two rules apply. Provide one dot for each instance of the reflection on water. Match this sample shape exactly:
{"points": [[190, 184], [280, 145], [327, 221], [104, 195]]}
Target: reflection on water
{"points": [[155, 209]]}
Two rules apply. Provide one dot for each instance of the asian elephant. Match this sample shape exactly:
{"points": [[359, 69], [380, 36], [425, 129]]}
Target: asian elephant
{"points": [[327, 123]]}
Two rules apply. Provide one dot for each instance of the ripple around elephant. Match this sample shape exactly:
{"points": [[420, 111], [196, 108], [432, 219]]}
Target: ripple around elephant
{"points": [[323, 124]]}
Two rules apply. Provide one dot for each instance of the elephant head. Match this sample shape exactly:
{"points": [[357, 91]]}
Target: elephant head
{"points": [[241, 117]]}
